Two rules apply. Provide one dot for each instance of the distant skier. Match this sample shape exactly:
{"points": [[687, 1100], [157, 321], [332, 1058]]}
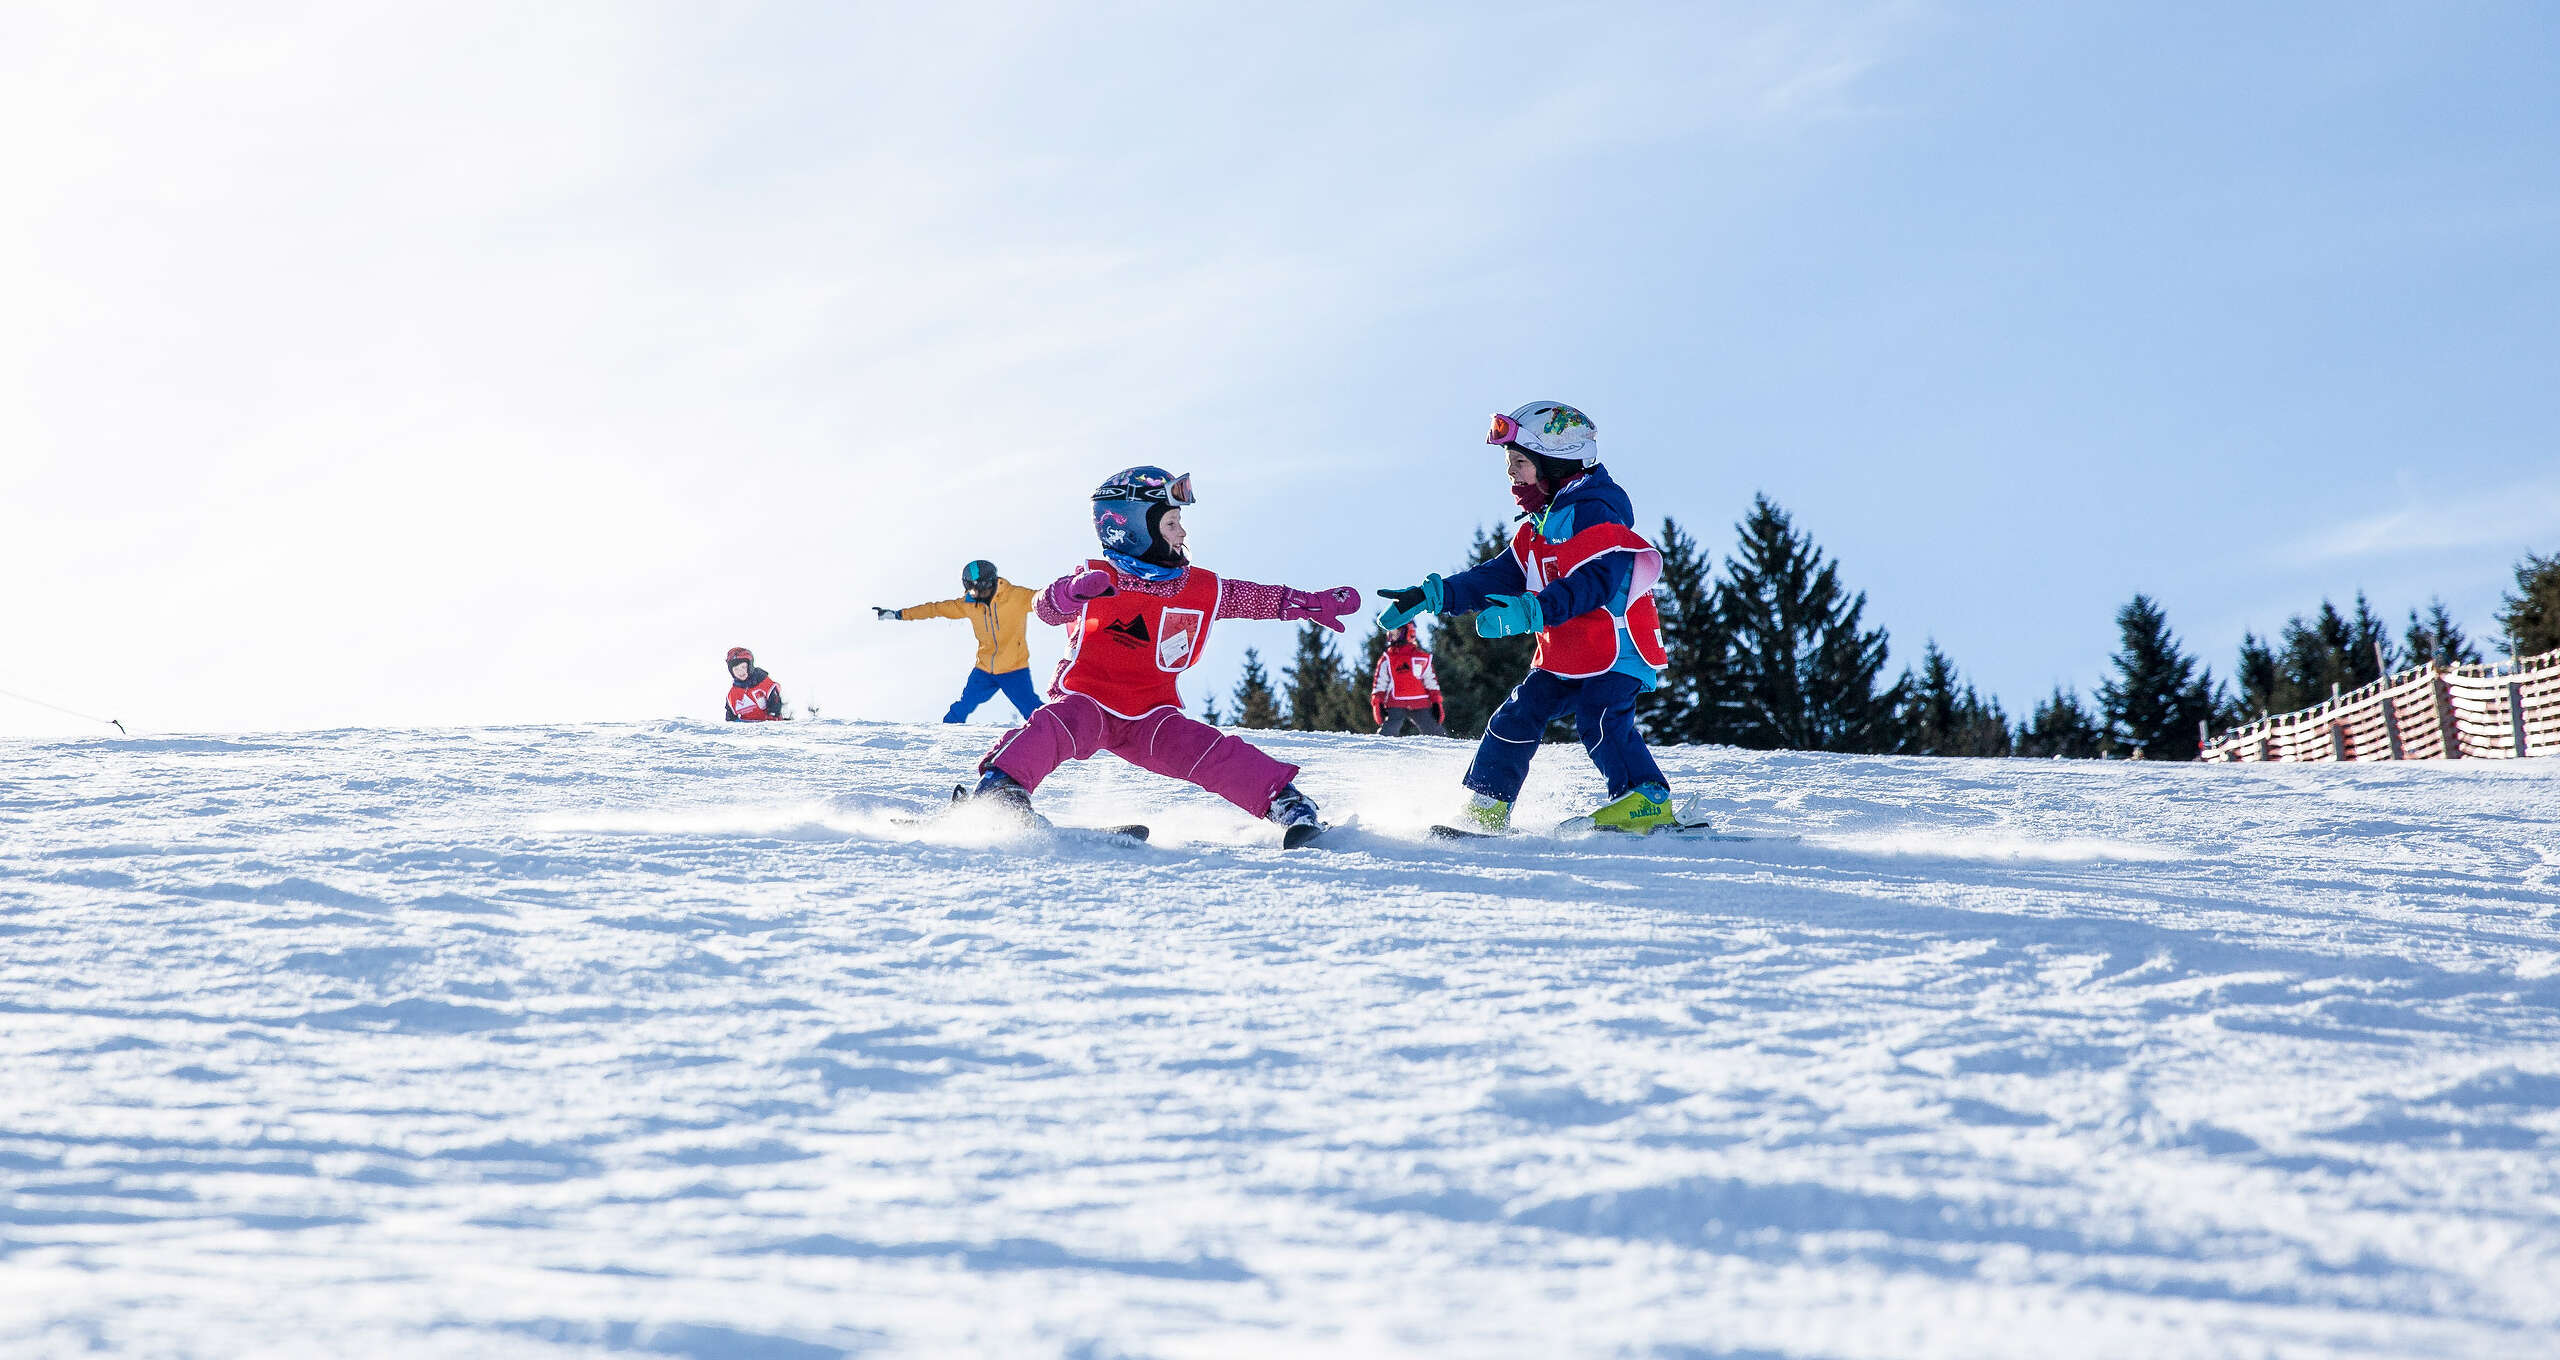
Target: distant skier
{"points": [[996, 609], [753, 695], [1580, 578], [1405, 694], [1140, 615]]}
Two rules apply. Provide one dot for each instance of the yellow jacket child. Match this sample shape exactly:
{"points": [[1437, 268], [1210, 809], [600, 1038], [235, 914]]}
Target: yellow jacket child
{"points": [[997, 610]]}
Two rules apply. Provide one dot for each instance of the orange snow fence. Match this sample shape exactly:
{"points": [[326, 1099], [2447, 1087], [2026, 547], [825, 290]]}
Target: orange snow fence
{"points": [[2434, 712]]}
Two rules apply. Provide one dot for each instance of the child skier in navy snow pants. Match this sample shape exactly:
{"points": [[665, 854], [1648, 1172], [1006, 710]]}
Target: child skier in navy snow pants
{"points": [[1580, 578]]}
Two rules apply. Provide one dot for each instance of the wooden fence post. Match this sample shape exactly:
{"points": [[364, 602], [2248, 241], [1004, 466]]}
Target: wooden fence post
{"points": [[2452, 730], [2391, 724], [2337, 741], [2515, 713]]}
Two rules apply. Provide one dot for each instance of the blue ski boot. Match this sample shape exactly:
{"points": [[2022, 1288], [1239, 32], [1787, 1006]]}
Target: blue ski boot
{"points": [[1295, 814], [1002, 790]]}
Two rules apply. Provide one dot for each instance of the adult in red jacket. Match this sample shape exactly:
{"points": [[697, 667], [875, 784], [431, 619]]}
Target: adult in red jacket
{"points": [[753, 695], [1405, 694]]}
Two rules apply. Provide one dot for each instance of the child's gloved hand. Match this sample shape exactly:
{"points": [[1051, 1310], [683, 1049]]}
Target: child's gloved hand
{"points": [[1325, 607], [1510, 616], [884, 615], [1068, 593], [1411, 602]]}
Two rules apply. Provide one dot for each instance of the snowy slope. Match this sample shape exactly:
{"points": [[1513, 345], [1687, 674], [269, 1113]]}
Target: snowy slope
{"points": [[669, 1039]]}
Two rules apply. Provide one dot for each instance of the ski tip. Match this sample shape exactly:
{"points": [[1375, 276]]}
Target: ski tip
{"points": [[1301, 834], [1133, 831], [1460, 833]]}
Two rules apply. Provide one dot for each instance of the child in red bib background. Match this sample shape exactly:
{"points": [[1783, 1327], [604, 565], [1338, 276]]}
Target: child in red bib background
{"points": [[753, 695], [1580, 578], [1139, 616], [1404, 695]]}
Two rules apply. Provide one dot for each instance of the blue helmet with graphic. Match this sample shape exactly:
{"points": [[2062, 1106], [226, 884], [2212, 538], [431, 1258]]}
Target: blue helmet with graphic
{"points": [[1129, 509]]}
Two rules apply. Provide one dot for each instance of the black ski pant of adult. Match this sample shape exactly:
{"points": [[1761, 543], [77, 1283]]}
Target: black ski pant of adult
{"points": [[1402, 720]]}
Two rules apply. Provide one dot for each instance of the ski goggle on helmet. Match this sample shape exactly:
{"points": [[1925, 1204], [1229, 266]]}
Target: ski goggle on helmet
{"points": [[978, 580], [1153, 485], [1550, 428]]}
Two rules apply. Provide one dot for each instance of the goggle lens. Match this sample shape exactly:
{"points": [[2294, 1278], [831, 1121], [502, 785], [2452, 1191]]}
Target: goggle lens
{"points": [[1505, 430], [1179, 491]]}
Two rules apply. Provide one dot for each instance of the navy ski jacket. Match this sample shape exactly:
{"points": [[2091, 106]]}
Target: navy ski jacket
{"points": [[1592, 498]]}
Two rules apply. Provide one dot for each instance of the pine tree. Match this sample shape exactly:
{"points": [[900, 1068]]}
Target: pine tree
{"points": [[1689, 703], [2370, 655], [2315, 662], [1803, 671], [1943, 716], [1314, 685], [2531, 617], [2062, 727], [2438, 639], [1477, 674], [1255, 704], [2158, 698], [2260, 677], [1209, 711]]}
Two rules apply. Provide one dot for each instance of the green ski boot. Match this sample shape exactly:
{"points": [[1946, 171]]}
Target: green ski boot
{"points": [[1492, 816], [1645, 810]]}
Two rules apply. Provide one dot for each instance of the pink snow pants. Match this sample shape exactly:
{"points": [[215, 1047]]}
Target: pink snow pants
{"points": [[1166, 741]]}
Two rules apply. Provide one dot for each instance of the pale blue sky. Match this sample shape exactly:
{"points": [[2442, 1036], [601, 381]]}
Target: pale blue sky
{"points": [[477, 364]]}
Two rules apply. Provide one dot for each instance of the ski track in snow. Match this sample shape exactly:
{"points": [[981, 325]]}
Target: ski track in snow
{"points": [[673, 1040]]}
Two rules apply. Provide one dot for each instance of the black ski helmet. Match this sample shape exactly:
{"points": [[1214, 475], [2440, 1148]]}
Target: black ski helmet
{"points": [[978, 580]]}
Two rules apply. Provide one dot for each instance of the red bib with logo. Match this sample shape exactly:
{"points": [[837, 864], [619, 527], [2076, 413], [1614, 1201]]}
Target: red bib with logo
{"points": [[1126, 650], [1404, 674], [746, 702], [1588, 644]]}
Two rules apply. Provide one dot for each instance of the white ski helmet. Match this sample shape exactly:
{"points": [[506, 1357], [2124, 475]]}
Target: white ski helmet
{"points": [[1550, 428]]}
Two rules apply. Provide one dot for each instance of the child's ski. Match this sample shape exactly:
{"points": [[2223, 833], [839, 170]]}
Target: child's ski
{"points": [[1580, 828], [1128, 831], [1302, 834], [1131, 832]]}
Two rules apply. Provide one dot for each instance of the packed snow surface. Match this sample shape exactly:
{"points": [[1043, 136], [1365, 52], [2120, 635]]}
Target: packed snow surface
{"points": [[682, 1040]]}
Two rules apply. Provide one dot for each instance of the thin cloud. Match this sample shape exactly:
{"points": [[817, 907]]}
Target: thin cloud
{"points": [[2525, 511]]}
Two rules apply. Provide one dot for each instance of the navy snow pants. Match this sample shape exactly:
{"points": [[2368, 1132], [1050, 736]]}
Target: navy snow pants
{"points": [[1604, 715], [981, 687]]}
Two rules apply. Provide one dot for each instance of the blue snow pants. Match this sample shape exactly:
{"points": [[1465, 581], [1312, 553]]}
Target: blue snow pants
{"points": [[1604, 715], [981, 687]]}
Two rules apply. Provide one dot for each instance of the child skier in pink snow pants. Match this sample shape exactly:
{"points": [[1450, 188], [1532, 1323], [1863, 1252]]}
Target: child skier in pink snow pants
{"points": [[1140, 615]]}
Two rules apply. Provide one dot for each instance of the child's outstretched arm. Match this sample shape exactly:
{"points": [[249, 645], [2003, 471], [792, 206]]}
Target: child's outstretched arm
{"points": [[1064, 599], [1597, 584], [1254, 600], [1464, 593], [939, 609]]}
